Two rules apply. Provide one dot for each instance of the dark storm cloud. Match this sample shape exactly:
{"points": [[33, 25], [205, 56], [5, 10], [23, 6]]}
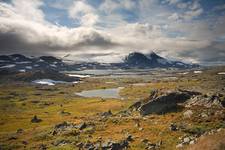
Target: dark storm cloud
{"points": [[213, 54], [17, 40]]}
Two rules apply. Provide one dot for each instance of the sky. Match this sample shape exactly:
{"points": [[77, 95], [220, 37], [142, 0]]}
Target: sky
{"points": [[107, 30]]}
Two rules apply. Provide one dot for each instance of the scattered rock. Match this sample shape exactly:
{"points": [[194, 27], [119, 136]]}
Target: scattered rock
{"points": [[192, 142], [186, 140], [35, 119], [188, 114], [179, 145], [42, 147], [144, 140], [153, 146], [204, 115], [205, 101], [173, 127], [13, 138], [89, 146], [135, 106], [19, 130], [106, 114], [24, 142], [62, 127], [80, 145], [108, 145], [64, 113], [129, 138], [81, 126], [61, 142]]}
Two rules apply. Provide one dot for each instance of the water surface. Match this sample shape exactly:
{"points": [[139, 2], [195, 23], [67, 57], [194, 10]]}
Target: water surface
{"points": [[103, 93]]}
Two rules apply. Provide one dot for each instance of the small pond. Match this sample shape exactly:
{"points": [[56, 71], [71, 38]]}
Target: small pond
{"points": [[103, 93]]}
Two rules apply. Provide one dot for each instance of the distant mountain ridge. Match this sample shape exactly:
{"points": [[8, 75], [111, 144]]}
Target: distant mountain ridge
{"points": [[21, 63], [152, 60]]}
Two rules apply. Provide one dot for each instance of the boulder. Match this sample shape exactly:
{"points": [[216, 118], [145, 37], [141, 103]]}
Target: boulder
{"points": [[168, 102], [35, 119], [173, 127], [62, 127], [106, 114]]}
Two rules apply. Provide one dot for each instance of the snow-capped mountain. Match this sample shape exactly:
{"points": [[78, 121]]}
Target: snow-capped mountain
{"points": [[21, 63], [152, 60]]}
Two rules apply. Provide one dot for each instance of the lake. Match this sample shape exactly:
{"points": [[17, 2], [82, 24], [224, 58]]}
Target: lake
{"points": [[103, 93]]}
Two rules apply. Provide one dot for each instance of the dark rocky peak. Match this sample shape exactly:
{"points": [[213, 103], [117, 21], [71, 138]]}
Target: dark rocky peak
{"points": [[50, 59], [4, 58], [136, 59], [19, 58]]}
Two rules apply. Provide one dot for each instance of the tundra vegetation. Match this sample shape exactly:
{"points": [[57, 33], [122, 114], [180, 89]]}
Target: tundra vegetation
{"points": [[36, 116]]}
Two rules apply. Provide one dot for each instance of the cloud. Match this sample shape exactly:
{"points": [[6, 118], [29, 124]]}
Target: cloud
{"points": [[220, 7], [84, 13], [174, 17], [26, 35], [108, 6], [213, 54], [109, 30]]}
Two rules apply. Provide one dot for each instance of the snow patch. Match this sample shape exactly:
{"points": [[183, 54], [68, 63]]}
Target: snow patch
{"points": [[36, 65], [179, 63], [52, 65], [22, 70], [162, 61], [41, 60], [8, 66], [183, 73], [78, 75], [221, 73], [28, 67], [51, 82], [47, 81], [197, 72], [23, 62]]}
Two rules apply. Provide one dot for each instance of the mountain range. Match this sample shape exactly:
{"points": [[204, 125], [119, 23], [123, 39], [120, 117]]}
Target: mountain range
{"points": [[135, 60]]}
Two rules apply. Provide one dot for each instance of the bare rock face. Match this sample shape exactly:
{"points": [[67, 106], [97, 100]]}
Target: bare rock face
{"points": [[165, 103], [161, 102]]}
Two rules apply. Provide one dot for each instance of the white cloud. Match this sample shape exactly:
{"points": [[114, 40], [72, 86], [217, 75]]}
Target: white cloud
{"points": [[108, 6], [29, 10], [193, 13], [83, 12], [174, 17]]}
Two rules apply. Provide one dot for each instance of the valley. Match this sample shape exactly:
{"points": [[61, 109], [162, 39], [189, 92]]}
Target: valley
{"points": [[66, 120]]}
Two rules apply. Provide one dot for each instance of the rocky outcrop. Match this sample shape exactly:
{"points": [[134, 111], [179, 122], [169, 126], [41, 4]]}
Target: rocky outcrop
{"points": [[161, 102], [166, 103], [214, 100]]}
